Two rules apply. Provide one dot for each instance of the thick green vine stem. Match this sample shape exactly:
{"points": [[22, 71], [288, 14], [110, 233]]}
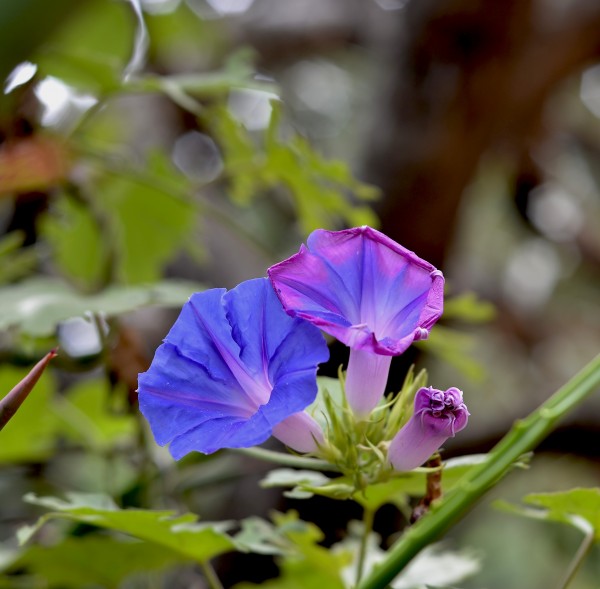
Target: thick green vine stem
{"points": [[523, 437]]}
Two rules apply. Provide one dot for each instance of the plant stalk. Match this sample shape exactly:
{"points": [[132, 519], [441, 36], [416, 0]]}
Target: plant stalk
{"points": [[523, 437]]}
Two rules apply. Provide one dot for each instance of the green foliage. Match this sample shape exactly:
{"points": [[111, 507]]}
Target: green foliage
{"points": [[396, 490], [79, 54], [181, 534], [576, 507], [78, 247], [304, 564], [319, 188], [456, 348], [14, 261], [238, 72], [37, 305], [149, 224], [30, 435], [93, 418], [469, 307], [127, 234], [90, 560]]}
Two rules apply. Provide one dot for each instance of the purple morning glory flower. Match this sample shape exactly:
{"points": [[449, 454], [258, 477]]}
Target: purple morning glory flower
{"points": [[369, 292], [233, 370], [438, 415]]}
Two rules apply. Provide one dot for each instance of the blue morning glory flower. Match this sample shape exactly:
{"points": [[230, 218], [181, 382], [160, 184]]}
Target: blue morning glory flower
{"points": [[234, 370], [369, 292]]}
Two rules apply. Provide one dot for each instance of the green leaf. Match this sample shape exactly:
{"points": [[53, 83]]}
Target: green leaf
{"points": [[77, 244], [238, 72], [563, 506], [306, 483], [304, 564], [79, 54], [455, 348], [37, 305], [182, 534], [149, 225], [15, 262], [303, 481], [30, 435], [323, 192], [69, 563], [90, 416], [469, 307]]}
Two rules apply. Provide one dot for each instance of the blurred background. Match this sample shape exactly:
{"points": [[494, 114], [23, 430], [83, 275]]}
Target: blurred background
{"points": [[156, 147]]}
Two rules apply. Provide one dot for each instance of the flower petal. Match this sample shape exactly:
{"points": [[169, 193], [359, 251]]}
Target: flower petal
{"points": [[225, 374], [361, 287]]}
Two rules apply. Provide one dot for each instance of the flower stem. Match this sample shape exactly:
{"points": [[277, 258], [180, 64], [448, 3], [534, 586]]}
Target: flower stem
{"points": [[368, 517], [288, 459], [525, 435], [210, 575], [582, 552]]}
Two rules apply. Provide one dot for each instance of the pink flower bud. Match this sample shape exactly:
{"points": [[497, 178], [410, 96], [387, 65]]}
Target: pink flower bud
{"points": [[438, 416]]}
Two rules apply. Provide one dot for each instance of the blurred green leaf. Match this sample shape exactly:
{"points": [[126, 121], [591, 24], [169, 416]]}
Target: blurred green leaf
{"points": [[77, 243], [30, 435], [305, 484], [320, 189], [149, 224], [36, 306], [238, 72], [15, 262], [91, 417], [297, 479], [79, 55], [24, 25], [469, 307], [562, 506], [92, 560], [182, 534], [304, 564], [455, 348]]}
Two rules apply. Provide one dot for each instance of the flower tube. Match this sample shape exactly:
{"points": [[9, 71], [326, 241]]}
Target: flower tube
{"points": [[369, 292], [438, 415], [233, 370]]}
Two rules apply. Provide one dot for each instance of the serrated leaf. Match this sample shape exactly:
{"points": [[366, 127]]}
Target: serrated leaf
{"points": [[69, 563], [180, 533], [36, 306], [563, 506]]}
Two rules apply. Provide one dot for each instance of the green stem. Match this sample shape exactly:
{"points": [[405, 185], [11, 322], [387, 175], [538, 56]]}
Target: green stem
{"points": [[368, 517], [582, 552], [525, 435], [288, 459], [210, 575]]}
